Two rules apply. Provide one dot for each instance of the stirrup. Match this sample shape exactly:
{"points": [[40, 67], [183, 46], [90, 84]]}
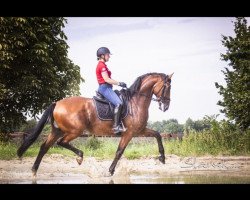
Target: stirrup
{"points": [[123, 127], [119, 129]]}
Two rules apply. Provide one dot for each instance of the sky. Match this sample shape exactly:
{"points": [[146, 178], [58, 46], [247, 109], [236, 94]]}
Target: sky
{"points": [[188, 46]]}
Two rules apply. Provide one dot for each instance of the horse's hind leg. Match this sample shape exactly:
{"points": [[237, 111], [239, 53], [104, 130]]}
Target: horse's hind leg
{"points": [[64, 142], [52, 138], [152, 133], [122, 145]]}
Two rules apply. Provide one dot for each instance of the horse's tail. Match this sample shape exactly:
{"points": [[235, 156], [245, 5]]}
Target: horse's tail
{"points": [[37, 130]]}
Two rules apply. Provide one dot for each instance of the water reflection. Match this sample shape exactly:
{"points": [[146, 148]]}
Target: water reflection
{"points": [[190, 179], [181, 178]]}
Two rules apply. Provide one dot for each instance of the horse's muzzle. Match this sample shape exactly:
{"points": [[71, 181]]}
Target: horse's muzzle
{"points": [[164, 107]]}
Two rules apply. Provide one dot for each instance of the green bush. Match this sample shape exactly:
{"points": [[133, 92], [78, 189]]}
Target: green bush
{"points": [[223, 138], [4, 137], [93, 143]]}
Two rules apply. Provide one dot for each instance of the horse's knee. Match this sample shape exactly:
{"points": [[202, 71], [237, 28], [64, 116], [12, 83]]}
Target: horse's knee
{"points": [[60, 142], [157, 135]]}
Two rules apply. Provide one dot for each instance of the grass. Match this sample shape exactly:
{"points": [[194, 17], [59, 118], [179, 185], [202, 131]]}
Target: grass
{"points": [[138, 150], [8, 151], [101, 148], [221, 139]]}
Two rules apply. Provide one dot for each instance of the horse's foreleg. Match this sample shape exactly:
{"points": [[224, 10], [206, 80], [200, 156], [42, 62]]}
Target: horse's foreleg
{"points": [[62, 142], [122, 145], [152, 133]]}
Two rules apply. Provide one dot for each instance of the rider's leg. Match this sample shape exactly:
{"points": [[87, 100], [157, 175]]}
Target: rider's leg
{"points": [[117, 119], [108, 93]]}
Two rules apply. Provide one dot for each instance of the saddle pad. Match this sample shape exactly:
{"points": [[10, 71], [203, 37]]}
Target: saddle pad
{"points": [[104, 111]]}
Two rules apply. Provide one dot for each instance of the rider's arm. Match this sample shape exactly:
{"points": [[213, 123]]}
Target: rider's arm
{"points": [[109, 80]]}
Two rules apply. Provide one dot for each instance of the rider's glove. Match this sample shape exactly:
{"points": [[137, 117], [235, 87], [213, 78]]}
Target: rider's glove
{"points": [[122, 84]]}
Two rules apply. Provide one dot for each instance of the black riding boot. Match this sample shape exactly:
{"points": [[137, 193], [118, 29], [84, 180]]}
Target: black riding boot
{"points": [[117, 127]]}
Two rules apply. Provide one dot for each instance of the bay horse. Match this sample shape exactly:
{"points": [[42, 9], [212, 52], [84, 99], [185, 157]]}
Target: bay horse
{"points": [[72, 116]]}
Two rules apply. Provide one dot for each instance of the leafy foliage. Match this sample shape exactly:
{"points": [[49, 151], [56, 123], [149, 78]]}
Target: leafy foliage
{"points": [[93, 143], [169, 126], [222, 138], [28, 125], [236, 93], [198, 125], [34, 67]]}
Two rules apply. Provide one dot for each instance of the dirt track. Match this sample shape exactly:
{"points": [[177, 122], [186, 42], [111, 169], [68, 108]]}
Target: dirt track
{"points": [[57, 168]]}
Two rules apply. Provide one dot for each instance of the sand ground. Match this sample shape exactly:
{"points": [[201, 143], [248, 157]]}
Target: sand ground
{"points": [[57, 168]]}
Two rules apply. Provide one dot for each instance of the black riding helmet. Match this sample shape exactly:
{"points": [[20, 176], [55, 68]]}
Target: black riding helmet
{"points": [[102, 51]]}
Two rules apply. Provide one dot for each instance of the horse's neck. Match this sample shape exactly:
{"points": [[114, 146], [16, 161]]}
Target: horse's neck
{"points": [[146, 91], [147, 86]]}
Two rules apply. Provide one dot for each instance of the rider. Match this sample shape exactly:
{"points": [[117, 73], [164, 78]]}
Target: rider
{"points": [[106, 83]]}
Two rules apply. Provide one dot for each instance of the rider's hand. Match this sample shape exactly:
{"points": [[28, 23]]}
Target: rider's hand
{"points": [[122, 84]]}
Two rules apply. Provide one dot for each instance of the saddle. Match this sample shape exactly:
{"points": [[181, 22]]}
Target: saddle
{"points": [[105, 110]]}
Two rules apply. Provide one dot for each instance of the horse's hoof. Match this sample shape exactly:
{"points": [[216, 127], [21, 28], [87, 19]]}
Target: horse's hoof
{"points": [[111, 172], [79, 160], [162, 159], [106, 174], [34, 177], [111, 181], [33, 174]]}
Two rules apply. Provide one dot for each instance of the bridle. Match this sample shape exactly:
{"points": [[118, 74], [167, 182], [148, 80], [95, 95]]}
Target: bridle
{"points": [[160, 99]]}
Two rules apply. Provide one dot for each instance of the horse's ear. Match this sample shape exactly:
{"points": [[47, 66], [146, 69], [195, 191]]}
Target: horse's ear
{"points": [[170, 76]]}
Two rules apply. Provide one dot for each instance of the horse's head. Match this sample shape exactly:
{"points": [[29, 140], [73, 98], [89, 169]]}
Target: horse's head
{"points": [[148, 84], [161, 90]]}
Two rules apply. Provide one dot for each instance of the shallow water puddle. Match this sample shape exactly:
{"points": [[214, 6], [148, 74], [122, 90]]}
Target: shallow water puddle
{"points": [[182, 178], [189, 179]]}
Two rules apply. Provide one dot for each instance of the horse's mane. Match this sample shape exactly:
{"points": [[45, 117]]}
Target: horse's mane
{"points": [[134, 88]]}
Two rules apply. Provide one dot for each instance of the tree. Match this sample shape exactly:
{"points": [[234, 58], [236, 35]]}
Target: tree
{"points": [[190, 124], [34, 67], [169, 126], [172, 126], [236, 93], [199, 125], [28, 125], [157, 126]]}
